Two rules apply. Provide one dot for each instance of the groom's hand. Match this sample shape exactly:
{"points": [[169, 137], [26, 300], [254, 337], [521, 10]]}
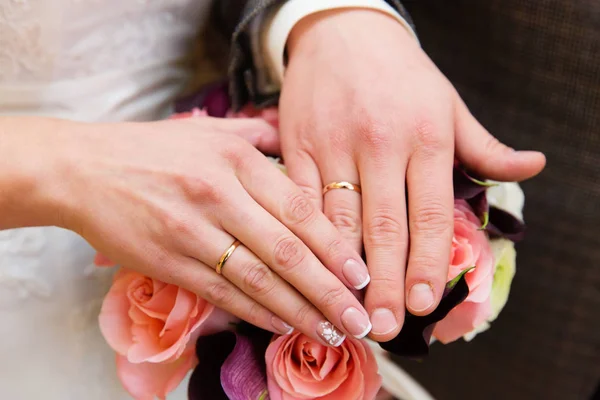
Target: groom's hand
{"points": [[362, 103]]}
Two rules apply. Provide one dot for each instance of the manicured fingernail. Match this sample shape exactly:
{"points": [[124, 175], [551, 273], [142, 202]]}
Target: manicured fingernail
{"points": [[420, 297], [384, 321], [356, 273], [281, 326], [330, 334], [356, 323]]}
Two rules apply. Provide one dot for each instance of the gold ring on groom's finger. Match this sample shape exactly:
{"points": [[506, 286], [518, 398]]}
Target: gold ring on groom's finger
{"points": [[226, 256], [342, 185]]}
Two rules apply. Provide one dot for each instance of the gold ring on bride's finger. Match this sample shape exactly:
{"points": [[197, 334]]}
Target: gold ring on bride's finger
{"points": [[226, 256], [342, 185]]}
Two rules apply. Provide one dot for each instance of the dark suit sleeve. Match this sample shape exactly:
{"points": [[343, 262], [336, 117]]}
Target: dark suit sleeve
{"points": [[234, 19]]}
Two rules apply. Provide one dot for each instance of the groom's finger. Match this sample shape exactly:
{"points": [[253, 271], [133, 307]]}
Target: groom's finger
{"points": [[343, 206], [303, 171], [482, 153]]}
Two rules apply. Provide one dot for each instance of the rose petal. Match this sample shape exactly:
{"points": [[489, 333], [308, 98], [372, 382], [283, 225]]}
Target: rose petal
{"points": [[462, 320], [145, 381], [114, 321]]}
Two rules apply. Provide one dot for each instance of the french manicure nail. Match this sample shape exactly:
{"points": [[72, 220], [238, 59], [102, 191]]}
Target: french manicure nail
{"points": [[384, 321], [420, 297], [356, 323], [356, 273], [281, 326], [330, 334]]}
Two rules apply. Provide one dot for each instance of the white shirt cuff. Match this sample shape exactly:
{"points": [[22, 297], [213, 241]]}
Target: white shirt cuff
{"points": [[280, 23]]}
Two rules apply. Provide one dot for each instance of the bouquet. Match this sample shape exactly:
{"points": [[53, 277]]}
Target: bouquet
{"points": [[161, 332]]}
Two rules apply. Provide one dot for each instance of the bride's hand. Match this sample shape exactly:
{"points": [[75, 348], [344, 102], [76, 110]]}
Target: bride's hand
{"points": [[169, 198], [362, 103]]}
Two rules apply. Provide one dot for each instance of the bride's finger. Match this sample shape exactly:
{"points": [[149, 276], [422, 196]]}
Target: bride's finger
{"points": [[201, 279], [246, 271], [259, 133], [290, 258]]}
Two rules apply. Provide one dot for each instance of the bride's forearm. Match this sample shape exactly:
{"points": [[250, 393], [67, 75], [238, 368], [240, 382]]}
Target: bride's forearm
{"points": [[32, 189]]}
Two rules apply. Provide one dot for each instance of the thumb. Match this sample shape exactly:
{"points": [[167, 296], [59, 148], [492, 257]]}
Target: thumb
{"points": [[485, 155]]}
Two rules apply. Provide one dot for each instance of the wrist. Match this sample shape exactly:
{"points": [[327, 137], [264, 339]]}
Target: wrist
{"points": [[345, 27], [33, 188]]}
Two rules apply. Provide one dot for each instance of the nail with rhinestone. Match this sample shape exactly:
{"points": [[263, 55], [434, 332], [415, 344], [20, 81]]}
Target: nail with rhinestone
{"points": [[330, 334]]}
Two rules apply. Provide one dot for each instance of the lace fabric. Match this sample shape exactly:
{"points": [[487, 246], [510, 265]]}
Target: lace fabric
{"points": [[87, 60], [65, 39]]}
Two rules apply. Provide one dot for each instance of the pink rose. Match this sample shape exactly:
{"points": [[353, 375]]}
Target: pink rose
{"points": [[299, 367], [470, 248], [270, 115], [153, 327]]}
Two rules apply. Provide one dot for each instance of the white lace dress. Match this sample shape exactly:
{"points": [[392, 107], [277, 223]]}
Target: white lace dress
{"points": [[88, 60]]}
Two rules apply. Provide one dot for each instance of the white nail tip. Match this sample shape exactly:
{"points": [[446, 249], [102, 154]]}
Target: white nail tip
{"points": [[364, 284], [365, 332]]}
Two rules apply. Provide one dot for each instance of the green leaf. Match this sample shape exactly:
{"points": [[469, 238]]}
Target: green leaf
{"points": [[263, 395], [454, 281], [486, 220], [482, 183]]}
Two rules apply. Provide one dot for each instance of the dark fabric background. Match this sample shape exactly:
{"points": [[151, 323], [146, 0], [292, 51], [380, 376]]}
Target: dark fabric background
{"points": [[530, 72]]}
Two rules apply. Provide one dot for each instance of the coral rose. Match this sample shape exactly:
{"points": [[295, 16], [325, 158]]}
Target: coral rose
{"points": [[470, 248], [299, 367], [153, 327]]}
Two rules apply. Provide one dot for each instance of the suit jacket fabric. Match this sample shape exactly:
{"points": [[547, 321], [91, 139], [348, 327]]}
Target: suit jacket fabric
{"points": [[530, 72]]}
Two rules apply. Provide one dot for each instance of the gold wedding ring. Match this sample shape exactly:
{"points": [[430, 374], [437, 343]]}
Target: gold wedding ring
{"points": [[226, 256], [342, 185]]}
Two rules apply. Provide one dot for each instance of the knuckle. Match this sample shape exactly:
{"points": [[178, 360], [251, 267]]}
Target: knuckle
{"points": [[299, 210], [346, 219], [387, 279], [288, 253], [255, 314], [376, 137], [332, 297], [432, 217], [428, 136], [310, 191], [383, 227], [334, 248], [199, 188], [177, 227], [220, 294], [493, 145], [258, 278], [302, 314], [235, 151], [424, 264]]}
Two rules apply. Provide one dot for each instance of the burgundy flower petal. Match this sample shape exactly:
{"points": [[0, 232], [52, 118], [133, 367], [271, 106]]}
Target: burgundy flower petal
{"points": [[480, 207], [467, 186], [413, 340], [504, 224], [212, 351], [231, 365], [213, 98], [244, 374]]}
